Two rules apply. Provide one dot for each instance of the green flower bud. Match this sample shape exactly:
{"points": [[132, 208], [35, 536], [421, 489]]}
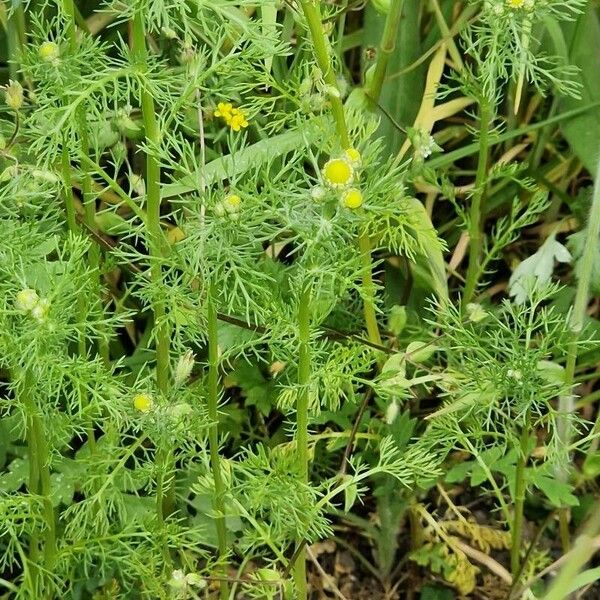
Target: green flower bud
{"points": [[13, 94]]}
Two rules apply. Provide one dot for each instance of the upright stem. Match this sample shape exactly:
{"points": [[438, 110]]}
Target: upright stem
{"points": [[312, 12], [155, 235], [15, 37], [39, 471], [313, 17], [213, 434], [304, 371], [386, 49], [475, 224], [586, 264], [517, 528], [165, 498], [364, 243], [88, 204]]}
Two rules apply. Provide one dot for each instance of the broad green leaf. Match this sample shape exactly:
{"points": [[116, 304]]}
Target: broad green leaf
{"points": [[583, 132], [251, 157], [401, 94]]}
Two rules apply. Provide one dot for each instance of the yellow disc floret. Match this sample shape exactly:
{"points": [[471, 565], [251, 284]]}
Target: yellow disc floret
{"points": [[48, 51], [143, 402], [353, 157], [232, 203], [338, 172], [352, 198], [515, 3], [26, 300]]}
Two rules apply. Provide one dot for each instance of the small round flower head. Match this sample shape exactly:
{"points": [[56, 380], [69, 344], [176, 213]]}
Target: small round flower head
{"points": [[26, 300], [49, 52], [317, 193], [515, 4], [219, 209], [352, 198], [40, 311], [232, 203], [143, 402], [338, 173], [13, 94], [353, 157], [177, 582]]}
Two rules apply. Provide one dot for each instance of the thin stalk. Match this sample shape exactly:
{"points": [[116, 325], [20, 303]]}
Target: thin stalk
{"points": [[577, 319], [517, 526], [475, 213], [39, 471], [89, 211], [304, 371], [15, 38], [364, 244], [312, 12], [386, 48], [213, 433], [155, 235], [313, 17], [165, 495]]}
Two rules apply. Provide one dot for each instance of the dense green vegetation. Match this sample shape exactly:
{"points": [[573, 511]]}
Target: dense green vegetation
{"points": [[298, 299]]}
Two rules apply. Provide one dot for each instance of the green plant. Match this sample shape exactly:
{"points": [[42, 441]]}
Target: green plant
{"points": [[234, 319]]}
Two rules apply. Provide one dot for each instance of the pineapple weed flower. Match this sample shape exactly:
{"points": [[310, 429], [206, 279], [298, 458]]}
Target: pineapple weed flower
{"points": [[338, 174]]}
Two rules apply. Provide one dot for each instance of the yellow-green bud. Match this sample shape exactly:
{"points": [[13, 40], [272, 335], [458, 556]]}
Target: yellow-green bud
{"points": [[49, 52], [13, 94], [26, 299]]}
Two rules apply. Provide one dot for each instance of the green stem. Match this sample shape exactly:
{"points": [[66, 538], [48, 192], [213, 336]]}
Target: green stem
{"points": [[165, 499], [517, 528], [364, 244], [475, 213], [578, 314], [16, 36], [315, 25], [312, 12], [386, 49], [155, 235], [39, 471], [304, 371], [213, 433], [88, 206]]}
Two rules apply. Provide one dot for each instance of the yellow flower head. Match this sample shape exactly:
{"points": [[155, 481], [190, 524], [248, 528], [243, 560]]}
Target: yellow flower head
{"points": [[352, 198], [143, 402], [338, 172], [234, 117], [353, 157], [238, 119], [515, 3], [224, 110], [48, 51], [232, 203]]}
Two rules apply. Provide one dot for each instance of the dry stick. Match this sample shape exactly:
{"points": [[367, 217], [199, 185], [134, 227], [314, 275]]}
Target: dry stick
{"points": [[325, 575], [566, 403]]}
